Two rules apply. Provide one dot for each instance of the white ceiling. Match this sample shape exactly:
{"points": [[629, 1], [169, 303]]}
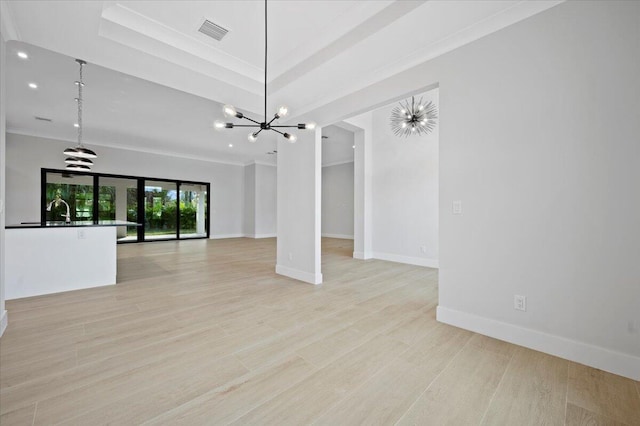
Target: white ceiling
{"points": [[154, 83]]}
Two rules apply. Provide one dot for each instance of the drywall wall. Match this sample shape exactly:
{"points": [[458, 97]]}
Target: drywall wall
{"points": [[542, 150], [539, 143], [337, 201], [405, 191], [299, 207], [26, 155], [3, 46], [249, 207], [265, 201], [362, 128]]}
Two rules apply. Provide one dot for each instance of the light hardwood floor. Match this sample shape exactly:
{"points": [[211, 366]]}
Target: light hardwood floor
{"points": [[204, 332]]}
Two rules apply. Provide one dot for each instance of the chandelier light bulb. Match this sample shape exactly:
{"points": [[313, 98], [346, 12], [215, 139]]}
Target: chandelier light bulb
{"points": [[283, 111], [229, 111], [219, 124], [265, 124]]}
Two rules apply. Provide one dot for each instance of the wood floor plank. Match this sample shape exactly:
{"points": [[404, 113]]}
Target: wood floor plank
{"points": [[604, 393], [175, 387], [532, 391], [480, 366], [578, 416], [205, 332], [384, 398], [306, 400], [225, 404], [20, 417]]}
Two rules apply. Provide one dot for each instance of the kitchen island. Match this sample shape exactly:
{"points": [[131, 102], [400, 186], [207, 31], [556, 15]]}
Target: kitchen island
{"points": [[51, 257]]}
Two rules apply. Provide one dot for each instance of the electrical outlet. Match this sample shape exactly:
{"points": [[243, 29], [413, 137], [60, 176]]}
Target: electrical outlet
{"points": [[81, 234], [423, 249], [519, 303], [290, 256]]}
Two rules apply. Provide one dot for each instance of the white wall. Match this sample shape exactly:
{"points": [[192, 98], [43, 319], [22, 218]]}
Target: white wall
{"points": [[337, 201], [539, 140], [541, 146], [249, 207], [362, 128], [266, 201], [260, 200], [27, 155], [3, 312], [405, 191], [299, 207]]}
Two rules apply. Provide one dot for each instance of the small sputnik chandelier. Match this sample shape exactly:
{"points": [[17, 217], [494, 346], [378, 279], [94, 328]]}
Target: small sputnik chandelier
{"points": [[78, 157], [413, 119]]}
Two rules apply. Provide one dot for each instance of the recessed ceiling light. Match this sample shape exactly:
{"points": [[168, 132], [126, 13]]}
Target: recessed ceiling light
{"points": [[76, 125], [353, 146], [23, 55], [33, 85], [230, 145]]}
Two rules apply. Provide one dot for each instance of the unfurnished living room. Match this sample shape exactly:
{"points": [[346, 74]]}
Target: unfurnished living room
{"points": [[328, 212]]}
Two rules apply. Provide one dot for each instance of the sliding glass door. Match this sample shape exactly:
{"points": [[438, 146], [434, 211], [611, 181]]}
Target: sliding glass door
{"points": [[160, 210], [193, 210], [118, 200], [163, 209]]}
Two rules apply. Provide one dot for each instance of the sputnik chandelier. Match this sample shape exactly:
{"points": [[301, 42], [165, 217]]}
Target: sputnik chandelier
{"points": [[79, 157], [230, 111], [413, 119]]}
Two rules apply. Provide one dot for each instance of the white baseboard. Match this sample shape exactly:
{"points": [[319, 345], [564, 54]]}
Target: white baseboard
{"points": [[4, 321], [420, 261], [362, 255], [593, 356], [307, 277], [261, 235], [224, 236], [341, 236]]}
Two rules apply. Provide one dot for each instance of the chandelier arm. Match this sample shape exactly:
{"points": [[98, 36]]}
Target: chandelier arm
{"points": [[251, 119], [277, 131], [246, 125], [275, 117], [290, 127]]}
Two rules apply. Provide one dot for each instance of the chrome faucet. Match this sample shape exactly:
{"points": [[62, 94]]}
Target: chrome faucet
{"points": [[57, 202]]}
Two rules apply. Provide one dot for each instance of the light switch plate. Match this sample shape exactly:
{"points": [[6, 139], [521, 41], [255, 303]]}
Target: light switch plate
{"points": [[457, 207]]}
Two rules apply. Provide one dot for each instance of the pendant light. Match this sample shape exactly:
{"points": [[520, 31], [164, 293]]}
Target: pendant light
{"points": [[230, 111], [413, 119], [79, 156]]}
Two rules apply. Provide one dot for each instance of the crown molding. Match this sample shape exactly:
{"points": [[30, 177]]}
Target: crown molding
{"points": [[259, 163], [337, 163], [22, 132]]}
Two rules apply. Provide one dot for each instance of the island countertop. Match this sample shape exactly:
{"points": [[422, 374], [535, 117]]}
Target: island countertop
{"points": [[72, 224]]}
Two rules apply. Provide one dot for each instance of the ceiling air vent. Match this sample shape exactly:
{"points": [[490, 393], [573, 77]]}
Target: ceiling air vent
{"points": [[43, 119], [214, 31]]}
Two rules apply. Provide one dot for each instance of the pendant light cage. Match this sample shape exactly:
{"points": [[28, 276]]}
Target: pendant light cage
{"points": [[79, 156]]}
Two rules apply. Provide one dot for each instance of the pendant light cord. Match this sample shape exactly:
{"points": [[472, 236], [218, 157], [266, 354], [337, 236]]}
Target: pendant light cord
{"points": [[265, 61], [80, 84]]}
